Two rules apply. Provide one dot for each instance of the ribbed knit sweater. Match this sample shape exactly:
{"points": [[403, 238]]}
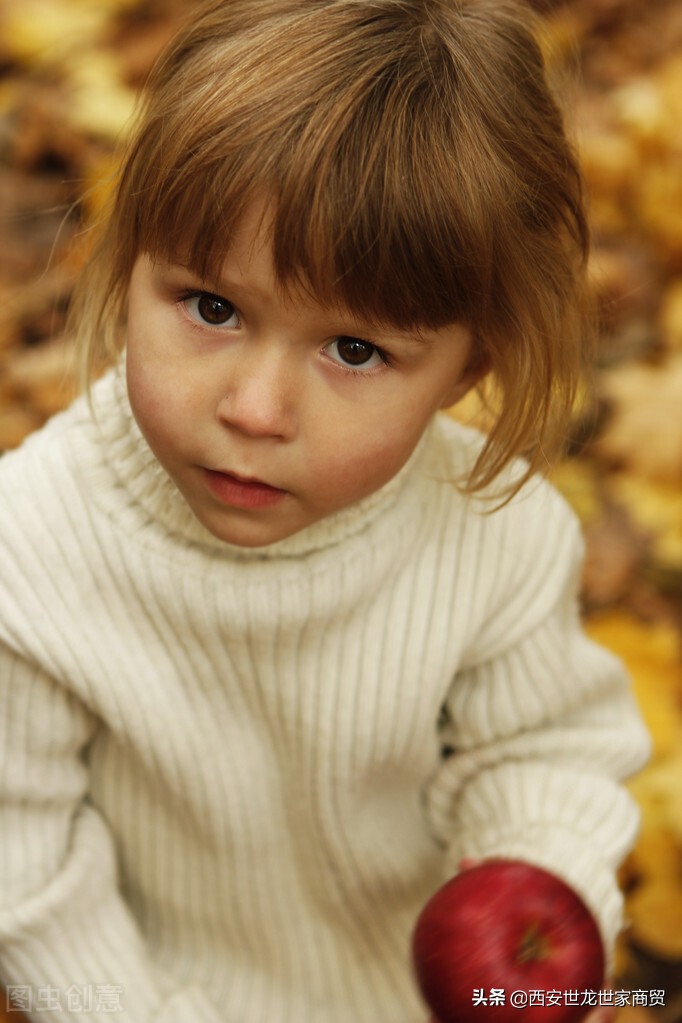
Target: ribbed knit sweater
{"points": [[231, 778]]}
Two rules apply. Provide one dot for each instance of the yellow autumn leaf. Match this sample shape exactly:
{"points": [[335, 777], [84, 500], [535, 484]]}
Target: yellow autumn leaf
{"points": [[99, 187], [644, 431], [656, 854], [656, 507], [575, 478], [101, 104], [659, 204], [655, 913], [47, 31], [670, 321], [633, 1014], [641, 108], [658, 790], [650, 107], [651, 654], [609, 160]]}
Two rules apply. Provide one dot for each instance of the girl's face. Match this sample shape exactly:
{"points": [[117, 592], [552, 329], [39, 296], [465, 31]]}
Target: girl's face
{"points": [[268, 410]]}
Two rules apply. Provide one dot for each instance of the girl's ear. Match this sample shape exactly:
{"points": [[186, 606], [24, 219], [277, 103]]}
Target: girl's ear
{"points": [[479, 365]]}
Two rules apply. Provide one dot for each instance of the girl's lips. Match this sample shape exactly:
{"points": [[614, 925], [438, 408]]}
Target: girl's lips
{"points": [[242, 493]]}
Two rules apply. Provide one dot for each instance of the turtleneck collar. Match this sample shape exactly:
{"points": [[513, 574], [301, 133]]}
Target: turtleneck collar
{"points": [[148, 497]]}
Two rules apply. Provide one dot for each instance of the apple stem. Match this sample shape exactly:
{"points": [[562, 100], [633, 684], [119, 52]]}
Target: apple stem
{"points": [[533, 946]]}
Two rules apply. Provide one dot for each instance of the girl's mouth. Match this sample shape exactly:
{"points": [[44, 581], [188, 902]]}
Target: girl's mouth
{"points": [[242, 493]]}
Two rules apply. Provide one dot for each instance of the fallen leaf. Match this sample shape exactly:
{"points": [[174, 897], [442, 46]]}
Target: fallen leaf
{"points": [[633, 1014], [671, 316], [656, 854], [101, 103], [613, 556], [656, 509], [655, 913], [644, 432], [15, 425]]}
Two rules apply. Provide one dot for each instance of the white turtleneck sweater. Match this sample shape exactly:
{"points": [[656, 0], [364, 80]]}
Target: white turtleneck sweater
{"points": [[230, 778]]}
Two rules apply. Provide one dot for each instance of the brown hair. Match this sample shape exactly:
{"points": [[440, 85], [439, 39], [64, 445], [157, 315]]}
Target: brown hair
{"points": [[420, 174]]}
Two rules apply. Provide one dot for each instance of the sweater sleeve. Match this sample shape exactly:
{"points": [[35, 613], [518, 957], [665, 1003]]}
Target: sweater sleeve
{"points": [[538, 730], [67, 938]]}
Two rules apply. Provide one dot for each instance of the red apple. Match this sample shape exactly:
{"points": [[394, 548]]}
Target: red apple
{"points": [[508, 925]]}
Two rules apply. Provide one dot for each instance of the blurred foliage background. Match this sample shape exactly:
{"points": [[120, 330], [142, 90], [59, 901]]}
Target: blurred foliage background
{"points": [[70, 71]]}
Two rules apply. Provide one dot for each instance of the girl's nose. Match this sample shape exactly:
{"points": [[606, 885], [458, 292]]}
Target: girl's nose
{"points": [[258, 400]]}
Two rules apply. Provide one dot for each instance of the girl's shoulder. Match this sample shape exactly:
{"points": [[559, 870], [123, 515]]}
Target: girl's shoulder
{"points": [[534, 533], [45, 484], [49, 541], [46, 459], [518, 559], [455, 450]]}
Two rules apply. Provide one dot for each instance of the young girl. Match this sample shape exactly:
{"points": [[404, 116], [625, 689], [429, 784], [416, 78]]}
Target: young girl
{"points": [[280, 644]]}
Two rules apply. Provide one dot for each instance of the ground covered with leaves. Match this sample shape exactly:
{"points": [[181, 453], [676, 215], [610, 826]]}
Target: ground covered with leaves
{"points": [[70, 71]]}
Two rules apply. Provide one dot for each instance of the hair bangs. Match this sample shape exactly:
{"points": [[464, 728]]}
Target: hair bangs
{"points": [[368, 228], [372, 209], [367, 209]]}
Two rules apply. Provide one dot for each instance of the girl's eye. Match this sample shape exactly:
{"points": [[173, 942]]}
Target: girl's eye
{"points": [[211, 310], [356, 354]]}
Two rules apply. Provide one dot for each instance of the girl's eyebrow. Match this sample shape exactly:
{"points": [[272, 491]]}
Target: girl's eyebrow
{"points": [[217, 284]]}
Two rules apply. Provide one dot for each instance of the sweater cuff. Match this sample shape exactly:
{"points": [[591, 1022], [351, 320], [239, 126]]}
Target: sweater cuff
{"points": [[561, 853], [572, 824]]}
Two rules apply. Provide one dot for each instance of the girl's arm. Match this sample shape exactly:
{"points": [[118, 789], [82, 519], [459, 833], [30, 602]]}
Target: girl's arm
{"points": [[541, 728], [66, 934]]}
